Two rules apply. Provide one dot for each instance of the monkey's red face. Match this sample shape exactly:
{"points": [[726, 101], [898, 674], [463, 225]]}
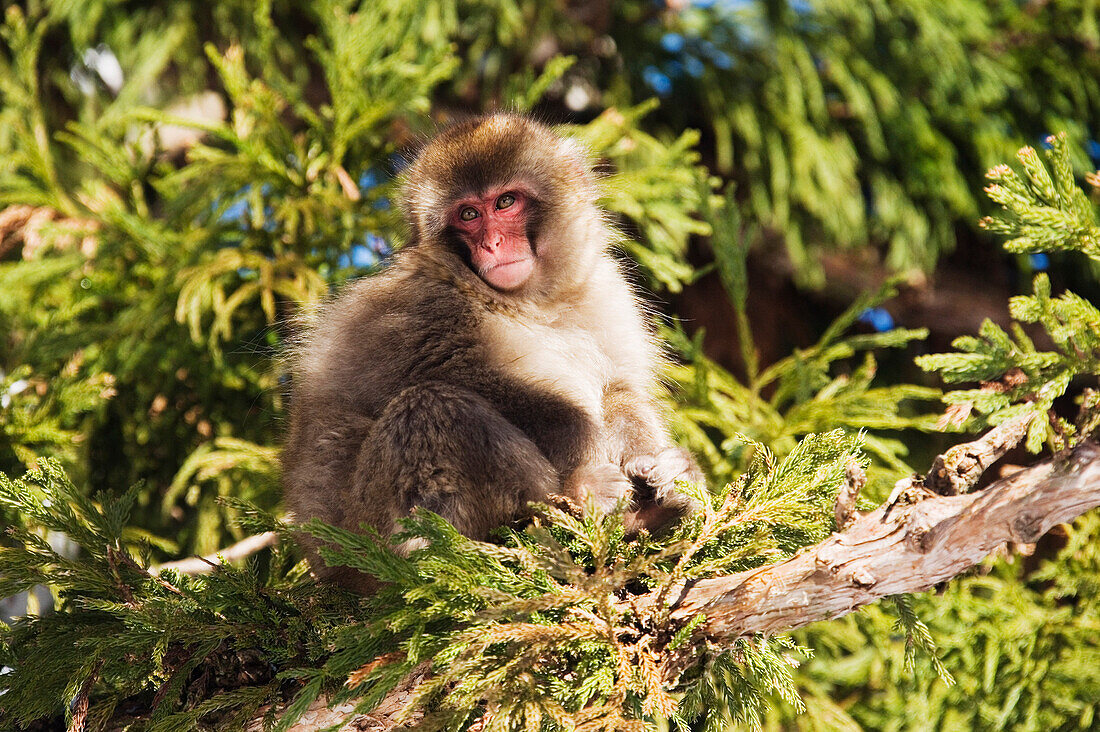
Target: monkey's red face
{"points": [[494, 229]]}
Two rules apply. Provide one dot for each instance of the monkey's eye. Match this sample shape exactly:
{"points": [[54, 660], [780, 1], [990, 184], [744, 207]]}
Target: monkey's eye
{"points": [[505, 201], [468, 214]]}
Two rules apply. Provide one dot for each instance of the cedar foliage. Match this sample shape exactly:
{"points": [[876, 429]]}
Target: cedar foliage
{"points": [[151, 263], [1043, 211], [537, 628]]}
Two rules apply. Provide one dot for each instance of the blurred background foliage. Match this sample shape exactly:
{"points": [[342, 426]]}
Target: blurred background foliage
{"points": [[798, 185]]}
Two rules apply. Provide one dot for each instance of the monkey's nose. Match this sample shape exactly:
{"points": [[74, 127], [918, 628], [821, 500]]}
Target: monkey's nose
{"points": [[492, 242]]}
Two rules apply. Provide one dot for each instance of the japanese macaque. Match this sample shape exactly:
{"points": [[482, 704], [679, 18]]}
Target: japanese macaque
{"points": [[501, 358]]}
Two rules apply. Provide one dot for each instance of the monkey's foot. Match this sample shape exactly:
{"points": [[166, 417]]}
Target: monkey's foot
{"points": [[603, 485]]}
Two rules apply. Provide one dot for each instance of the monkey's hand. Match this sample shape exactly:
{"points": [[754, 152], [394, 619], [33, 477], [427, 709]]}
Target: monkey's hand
{"points": [[658, 473], [602, 484]]}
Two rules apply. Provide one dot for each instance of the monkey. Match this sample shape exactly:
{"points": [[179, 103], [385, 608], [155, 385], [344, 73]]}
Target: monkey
{"points": [[500, 357]]}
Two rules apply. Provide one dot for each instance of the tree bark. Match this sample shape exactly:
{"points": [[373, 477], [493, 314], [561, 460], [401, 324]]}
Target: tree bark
{"points": [[896, 550]]}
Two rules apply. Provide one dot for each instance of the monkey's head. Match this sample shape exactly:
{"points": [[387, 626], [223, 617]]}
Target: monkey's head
{"points": [[509, 201]]}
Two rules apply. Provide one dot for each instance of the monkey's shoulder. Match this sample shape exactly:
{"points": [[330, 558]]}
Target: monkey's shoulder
{"points": [[616, 317], [402, 305], [379, 335]]}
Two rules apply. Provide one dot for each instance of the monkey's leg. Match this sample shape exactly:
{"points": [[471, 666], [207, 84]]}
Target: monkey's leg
{"points": [[450, 451]]}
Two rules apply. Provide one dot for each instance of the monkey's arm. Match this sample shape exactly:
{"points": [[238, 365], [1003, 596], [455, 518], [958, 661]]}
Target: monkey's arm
{"points": [[646, 455], [449, 450], [633, 424]]}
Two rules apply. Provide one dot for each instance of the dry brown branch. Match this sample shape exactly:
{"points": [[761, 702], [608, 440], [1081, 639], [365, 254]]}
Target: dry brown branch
{"points": [[383, 717], [855, 478], [79, 720], [908, 549], [958, 470]]}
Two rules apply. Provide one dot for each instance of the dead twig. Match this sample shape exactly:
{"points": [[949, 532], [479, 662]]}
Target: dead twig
{"points": [[208, 563], [959, 469]]}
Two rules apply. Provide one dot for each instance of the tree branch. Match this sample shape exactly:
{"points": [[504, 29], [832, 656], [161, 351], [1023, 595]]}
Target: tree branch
{"points": [[202, 565], [890, 552], [914, 541]]}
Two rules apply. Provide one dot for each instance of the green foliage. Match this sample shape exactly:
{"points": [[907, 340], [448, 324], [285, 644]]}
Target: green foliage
{"points": [[164, 286], [1047, 211], [123, 633], [549, 627], [812, 390], [864, 124], [1019, 637], [39, 418], [657, 186], [1043, 211], [159, 235]]}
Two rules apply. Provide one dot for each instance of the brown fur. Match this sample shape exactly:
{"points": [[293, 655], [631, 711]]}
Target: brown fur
{"points": [[424, 386]]}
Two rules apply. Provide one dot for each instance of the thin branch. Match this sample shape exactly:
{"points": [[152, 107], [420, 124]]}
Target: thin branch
{"points": [[205, 564], [959, 469], [79, 706], [855, 478]]}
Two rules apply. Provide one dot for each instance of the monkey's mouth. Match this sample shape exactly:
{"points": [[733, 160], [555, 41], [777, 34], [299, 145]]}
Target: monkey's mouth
{"points": [[508, 275]]}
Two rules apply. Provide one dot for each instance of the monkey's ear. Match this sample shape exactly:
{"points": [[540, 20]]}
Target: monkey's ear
{"points": [[578, 155]]}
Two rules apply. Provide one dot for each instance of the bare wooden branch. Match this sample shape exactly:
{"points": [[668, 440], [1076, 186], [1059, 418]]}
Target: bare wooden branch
{"points": [[959, 469], [384, 717], [908, 550], [79, 707], [205, 564]]}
